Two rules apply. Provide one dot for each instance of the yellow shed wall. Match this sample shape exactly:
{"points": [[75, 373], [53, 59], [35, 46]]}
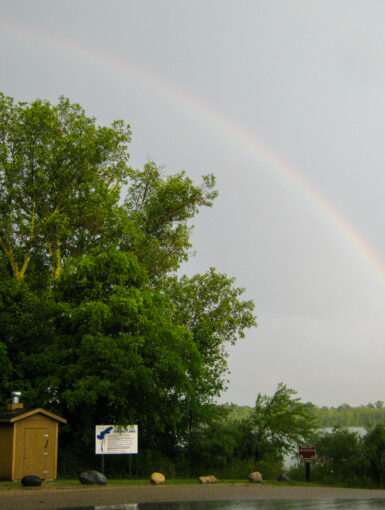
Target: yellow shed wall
{"points": [[34, 453], [6, 451]]}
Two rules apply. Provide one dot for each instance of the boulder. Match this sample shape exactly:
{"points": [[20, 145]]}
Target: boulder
{"points": [[255, 477], [31, 481], [157, 478], [283, 478], [91, 477], [207, 479]]}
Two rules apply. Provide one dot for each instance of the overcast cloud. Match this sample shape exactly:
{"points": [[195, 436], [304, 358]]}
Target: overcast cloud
{"points": [[284, 102]]}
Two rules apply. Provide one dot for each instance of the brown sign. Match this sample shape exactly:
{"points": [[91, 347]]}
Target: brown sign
{"points": [[306, 453]]}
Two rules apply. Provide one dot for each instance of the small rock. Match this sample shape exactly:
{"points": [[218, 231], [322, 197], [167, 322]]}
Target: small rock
{"points": [[255, 477], [283, 478], [208, 479], [92, 477], [157, 478], [31, 481]]}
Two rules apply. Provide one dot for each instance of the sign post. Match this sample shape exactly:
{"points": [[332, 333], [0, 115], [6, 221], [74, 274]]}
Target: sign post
{"points": [[307, 454], [115, 440]]}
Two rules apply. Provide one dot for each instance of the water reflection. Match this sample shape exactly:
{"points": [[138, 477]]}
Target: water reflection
{"points": [[315, 504], [278, 504]]}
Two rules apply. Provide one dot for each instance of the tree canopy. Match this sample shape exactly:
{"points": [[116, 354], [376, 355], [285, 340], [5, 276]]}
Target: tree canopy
{"points": [[158, 209], [60, 181], [282, 420], [97, 324]]}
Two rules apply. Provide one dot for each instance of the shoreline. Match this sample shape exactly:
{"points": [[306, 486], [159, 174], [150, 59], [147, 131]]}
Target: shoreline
{"points": [[67, 498]]}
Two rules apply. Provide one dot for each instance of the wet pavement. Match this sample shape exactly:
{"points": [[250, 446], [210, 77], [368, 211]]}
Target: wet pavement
{"points": [[193, 497], [312, 504]]}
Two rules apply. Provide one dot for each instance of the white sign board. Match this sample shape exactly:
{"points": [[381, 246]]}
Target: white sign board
{"points": [[111, 439]]}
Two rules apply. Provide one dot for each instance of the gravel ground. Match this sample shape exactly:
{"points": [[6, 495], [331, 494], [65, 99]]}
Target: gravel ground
{"points": [[55, 499]]}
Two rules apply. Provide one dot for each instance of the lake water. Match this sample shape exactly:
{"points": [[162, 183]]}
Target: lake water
{"points": [[310, 504]]}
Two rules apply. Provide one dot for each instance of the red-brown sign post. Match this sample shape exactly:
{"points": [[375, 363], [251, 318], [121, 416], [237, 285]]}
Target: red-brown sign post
{"points": [[307, 454]]}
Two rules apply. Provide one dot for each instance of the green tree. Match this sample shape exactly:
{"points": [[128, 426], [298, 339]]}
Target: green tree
{"points": [[26, 333], [220, 446], [158, 209], [346, 416], [60, 181], [95, 323], [119, 357], [281, 422], [211, 308], [339, 457], [374, 454]]}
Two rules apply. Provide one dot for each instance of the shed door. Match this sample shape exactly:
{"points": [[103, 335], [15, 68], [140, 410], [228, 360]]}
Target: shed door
{"points": [[35, 452]]}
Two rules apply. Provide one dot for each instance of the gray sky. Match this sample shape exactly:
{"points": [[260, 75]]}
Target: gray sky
{"points": [[284, 102]]}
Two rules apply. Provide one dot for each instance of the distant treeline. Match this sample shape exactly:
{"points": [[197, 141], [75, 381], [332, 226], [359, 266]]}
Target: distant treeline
{"points": [[366, 416]]}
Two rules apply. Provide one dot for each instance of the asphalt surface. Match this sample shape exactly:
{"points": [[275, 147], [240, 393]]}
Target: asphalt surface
{"points": [[90, 497]]}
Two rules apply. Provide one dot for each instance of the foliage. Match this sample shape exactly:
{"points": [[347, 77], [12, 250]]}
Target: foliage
{"points": [[216, 445], [232, 447], [158, 209], [280, 422], [345, 457], [347, 416], [60, 180], [96, 326], [26, 331], [366, 416], [209, 306], [236, 412], [374, 454], [120, 358], [339, 456]]}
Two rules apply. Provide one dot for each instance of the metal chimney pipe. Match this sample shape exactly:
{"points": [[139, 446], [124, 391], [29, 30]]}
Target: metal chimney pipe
{"points": [[15, 397]]}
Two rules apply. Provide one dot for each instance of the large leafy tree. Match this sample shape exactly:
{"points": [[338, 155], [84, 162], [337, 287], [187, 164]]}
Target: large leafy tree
{"points": [[60, 181], [26, 333], [209, 305], [158, 209], [280, 422], [95, 323], [120, 358]]}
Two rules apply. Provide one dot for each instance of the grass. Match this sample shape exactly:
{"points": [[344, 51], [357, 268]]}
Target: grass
{"points": [[67, 483]]}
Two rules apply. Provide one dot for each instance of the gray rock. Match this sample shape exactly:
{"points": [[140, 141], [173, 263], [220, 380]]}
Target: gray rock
{"points": [[31, 481], [92, 477], [283, 478]]}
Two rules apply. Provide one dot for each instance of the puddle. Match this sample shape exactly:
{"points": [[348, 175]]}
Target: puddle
{"points": [[310, 504]]}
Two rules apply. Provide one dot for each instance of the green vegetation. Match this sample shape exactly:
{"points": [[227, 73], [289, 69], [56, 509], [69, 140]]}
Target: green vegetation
{"points": [[235, 448], [344, 457], [328, 417], [347, 459], [96, 323], [73, 483], [346, 416]]}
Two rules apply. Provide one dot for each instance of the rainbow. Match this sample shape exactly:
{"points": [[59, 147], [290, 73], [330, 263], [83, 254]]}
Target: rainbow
{"points": [[222, 123]]}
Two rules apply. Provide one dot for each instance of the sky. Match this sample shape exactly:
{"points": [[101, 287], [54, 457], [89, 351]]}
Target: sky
{"points": [[284, 102]]}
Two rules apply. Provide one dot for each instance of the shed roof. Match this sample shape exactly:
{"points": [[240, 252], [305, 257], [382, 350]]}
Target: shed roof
{"points": [[21, 414]]}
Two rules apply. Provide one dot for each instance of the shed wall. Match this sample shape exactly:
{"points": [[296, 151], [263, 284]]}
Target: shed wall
{"points": [[6, 449], [36, 447]]}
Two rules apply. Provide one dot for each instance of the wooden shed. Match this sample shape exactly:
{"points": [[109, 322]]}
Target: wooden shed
{"points": [[28, 442]]}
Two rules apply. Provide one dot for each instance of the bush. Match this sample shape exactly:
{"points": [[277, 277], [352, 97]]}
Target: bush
{"points": [[339, 459], [374, 455]]}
